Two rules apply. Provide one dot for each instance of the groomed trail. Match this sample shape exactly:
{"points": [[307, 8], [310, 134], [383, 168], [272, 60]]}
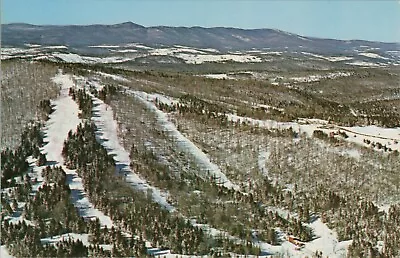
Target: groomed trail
{"points": [[61, 121], [108, 136]]}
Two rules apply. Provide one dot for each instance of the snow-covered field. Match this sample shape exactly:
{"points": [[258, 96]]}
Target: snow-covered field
{"points": [[366, 64], [276, 53], [17, 51], [75, 58], [187, 54], [125, 50], [376, 131], [318, 77], [385, 136], [329, 58], [172, 51], [105, 46], [217, 76], [190, 55], [201, 58], [373, 55], [389, 137], [56, 47], [137, 45]]}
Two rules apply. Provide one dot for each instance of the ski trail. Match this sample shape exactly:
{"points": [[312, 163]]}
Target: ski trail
{"points": [[4, 253], [263, 156], [35, 173], [61, 121], [108, 137], [327, 241], [186, 145]]}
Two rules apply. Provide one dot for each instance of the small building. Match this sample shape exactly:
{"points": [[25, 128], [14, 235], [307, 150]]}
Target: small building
{"points": [[296, 241]]}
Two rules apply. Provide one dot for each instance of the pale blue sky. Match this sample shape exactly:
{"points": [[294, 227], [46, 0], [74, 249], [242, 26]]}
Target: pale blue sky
{"points": [[341, 19]]}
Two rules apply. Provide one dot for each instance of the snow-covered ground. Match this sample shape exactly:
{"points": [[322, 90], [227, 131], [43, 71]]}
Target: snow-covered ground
{"points": [[35, 172], [217, 76], [326, 241], [385, 136], [190, 55], [268, 107], [56, 47], [114, 77], [66, 118], [376, 132], [75, 58], [329, 58], [276, 53], [318, 77], [84, 238], [17, 217], [366, 64], [186, 145], [17, 51], [61, 121], [108, 135], [201, 58], [4, 252], [373, 55], [65, 237], [125, 50], [105, 46], [137, 45], [155, 96], [108, 130], [263, 156], [32, 45], [172, 51]]}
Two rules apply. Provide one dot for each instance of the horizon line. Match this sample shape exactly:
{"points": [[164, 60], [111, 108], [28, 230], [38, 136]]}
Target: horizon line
{"points": [[203, 27]]}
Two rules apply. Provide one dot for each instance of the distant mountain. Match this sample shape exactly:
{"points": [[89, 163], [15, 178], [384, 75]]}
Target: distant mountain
{"points": [[223, 39]]}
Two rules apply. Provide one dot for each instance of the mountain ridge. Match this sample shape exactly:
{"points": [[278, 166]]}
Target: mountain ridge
{"points": [[221, 38]]}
